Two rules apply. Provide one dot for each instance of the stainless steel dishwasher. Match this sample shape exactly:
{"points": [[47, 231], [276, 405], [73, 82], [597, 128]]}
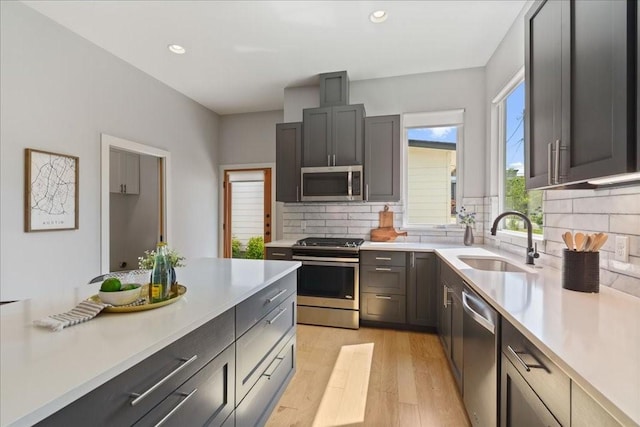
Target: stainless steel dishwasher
{"points": [[480, 359]]}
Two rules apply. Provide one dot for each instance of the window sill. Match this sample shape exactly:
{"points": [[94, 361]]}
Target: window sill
{"points": [[518, 235]]}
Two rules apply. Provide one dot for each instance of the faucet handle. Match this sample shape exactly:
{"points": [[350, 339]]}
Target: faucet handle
{"points": [[535, 253]]}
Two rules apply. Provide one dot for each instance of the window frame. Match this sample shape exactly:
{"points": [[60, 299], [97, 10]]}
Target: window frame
{"points": [[442, 118], [499, 125]]}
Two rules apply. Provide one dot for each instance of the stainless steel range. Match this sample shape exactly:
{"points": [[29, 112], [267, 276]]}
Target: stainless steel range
{"points": [[328, 282]]}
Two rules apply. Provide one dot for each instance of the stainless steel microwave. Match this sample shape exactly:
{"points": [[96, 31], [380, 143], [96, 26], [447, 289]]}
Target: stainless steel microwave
{"points": [[332, 184]]}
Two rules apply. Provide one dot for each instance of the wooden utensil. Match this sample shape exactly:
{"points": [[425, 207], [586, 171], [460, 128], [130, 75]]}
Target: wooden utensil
{"points": [[588, 241], [600, 240], [580, 241], [568, 240]]}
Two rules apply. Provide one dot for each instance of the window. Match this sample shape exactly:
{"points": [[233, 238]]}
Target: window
{"points": [[514, 196], [432, 147]]}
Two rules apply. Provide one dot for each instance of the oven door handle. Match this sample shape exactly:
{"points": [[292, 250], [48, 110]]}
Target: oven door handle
{"points": [[331, 262]]}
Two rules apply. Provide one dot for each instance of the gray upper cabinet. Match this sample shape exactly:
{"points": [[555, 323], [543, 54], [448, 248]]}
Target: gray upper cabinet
{"points": [[333, 136], [382, 158], [579, 78], [288, 161], [334, 89]]}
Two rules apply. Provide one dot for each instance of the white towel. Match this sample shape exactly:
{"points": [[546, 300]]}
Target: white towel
{"points": [[84, 311]]}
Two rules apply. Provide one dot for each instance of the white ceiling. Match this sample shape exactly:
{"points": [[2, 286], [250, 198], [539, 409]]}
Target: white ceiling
{"points": [[242, 54]]}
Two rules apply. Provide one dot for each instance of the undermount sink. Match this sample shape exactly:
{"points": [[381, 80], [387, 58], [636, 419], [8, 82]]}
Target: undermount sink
{"points": [[494, 264]]}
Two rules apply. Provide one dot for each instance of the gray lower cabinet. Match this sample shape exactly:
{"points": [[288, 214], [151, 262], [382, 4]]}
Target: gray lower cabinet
{"points": [[586, 412], [386, 308], [421, 289], [532, 385], [383, 286], [152, 380], [258, 404], [288, 161], [451, 316], [279, 254], [382, 158], [207, 398]]}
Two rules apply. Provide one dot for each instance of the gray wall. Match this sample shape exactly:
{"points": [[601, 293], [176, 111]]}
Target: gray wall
{"points": [[59, 92], [248, 138], [419, 93]]}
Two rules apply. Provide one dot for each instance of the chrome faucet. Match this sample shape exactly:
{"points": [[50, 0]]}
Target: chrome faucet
{"points": [[532, 252]]}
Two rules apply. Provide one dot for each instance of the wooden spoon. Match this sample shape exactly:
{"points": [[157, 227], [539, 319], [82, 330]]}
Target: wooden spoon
{"points": [[600, 240], [580, 240], [568, 240], [588, 241]]}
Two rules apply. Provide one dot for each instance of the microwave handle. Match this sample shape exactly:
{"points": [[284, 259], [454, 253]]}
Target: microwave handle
{"points": [[349, 184]]}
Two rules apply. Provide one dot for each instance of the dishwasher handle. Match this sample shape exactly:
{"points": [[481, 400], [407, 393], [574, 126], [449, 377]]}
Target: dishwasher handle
{"points": [[483, 321]]}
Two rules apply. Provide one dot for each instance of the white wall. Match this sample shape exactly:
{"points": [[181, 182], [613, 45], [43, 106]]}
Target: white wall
{"points": [[248, 138], [59, 92]]}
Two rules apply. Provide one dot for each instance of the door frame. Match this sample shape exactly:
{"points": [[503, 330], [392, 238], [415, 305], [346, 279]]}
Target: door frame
{"points": [[108, 142], [223, 169]]}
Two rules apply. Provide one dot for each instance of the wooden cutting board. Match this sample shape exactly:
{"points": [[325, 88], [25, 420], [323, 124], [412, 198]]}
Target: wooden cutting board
{"points": [[386, 218], [385, 232]]}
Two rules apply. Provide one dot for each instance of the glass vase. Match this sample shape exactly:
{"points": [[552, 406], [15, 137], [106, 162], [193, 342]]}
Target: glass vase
{"points": [[468, 236]]}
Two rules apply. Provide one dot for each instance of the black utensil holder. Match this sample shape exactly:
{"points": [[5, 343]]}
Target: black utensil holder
{"points": [[581, 271]]}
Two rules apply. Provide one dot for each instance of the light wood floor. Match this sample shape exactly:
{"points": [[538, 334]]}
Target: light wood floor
{"points": [[409, 385]]}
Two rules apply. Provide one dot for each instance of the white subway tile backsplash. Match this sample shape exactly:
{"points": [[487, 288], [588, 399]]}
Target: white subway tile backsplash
{"points": [[620, 204], [326, 216], [355, 208], [625, 224], [586, 222], [557, 206]]}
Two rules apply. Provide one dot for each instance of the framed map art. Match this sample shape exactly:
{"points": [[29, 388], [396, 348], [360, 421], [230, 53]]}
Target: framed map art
{"points": [[51, 191]]}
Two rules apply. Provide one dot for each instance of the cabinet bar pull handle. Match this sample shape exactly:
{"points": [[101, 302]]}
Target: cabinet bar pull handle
{"points": [[549, 161], [366, 192], [297, 193], [382, 258], [383, 297], [276, 254], [282, 310], [279, 294], [334, 160], [445, 295], [272, 369], [557, 163], [139, 397], [383, 269], [413, 259], [518, 358], [186, 397]]}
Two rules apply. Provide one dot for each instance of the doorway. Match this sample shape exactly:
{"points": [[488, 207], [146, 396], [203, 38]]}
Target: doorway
{"points": [[247, 216], [135, 201]]}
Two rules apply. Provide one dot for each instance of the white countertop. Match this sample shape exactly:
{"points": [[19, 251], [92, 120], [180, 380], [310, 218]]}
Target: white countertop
{"points": [[42, 371], [594, 338]]}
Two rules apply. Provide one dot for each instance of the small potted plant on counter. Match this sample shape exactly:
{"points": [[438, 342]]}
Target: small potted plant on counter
{"points": [[468, 219]]}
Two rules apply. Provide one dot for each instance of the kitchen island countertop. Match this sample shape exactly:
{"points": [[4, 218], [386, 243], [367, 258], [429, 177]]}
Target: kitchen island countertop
{"points": [[42, 371]]}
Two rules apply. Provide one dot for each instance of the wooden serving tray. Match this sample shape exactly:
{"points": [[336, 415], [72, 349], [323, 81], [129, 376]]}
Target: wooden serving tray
{"points": [[142, 307]]}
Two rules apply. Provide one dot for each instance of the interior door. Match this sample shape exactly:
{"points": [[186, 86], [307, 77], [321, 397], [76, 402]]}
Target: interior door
{"points": [[247, 212]]}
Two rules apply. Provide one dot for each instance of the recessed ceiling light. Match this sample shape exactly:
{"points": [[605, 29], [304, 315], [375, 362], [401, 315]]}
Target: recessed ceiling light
{"points": [[378, 16], [177, 49]]}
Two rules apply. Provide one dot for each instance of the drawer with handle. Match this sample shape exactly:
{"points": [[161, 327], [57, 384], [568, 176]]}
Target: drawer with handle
{"points": [[390, 280], [253, 309], [551, 384], [129, 396], [207, 398], [253, 347], [383, 307], [283, 254], [272, 380], [383, 258]]}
